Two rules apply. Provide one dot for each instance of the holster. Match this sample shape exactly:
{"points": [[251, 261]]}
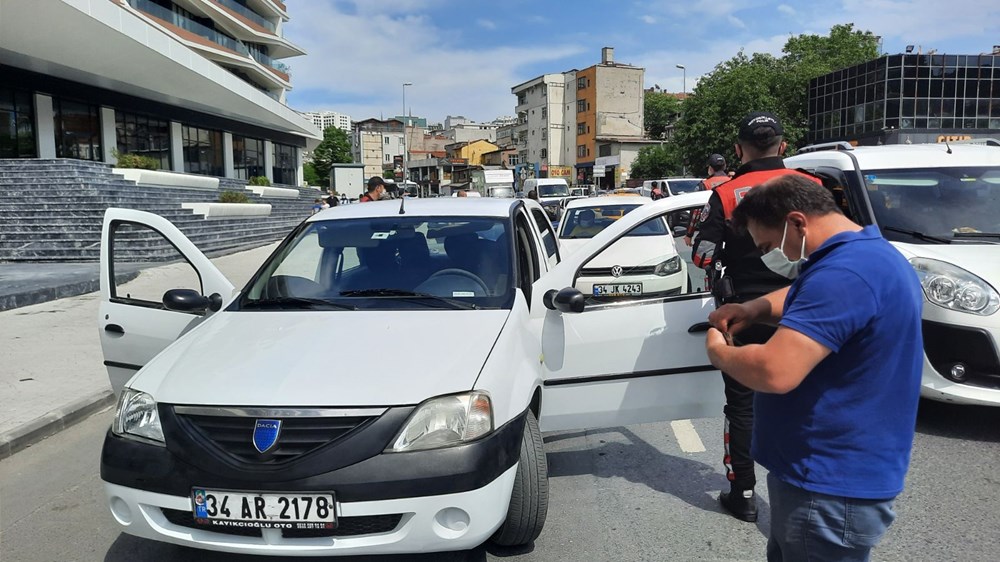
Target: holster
{"points": [[722, 289]]}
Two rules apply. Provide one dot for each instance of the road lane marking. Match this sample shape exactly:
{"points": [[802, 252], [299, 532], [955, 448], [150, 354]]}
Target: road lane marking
{"points": [[687, 437]]}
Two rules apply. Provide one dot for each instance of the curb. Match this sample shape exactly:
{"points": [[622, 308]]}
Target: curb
{"points": [[53, 422], [46, 294]]}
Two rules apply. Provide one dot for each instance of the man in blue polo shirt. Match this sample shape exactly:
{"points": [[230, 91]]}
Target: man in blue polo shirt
{"points": [[838, 384]]}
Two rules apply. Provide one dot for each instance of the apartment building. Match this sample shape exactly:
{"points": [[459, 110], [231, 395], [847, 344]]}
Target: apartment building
{"points": [[324, 119], [196, 85], [540, 133], [377, 143]]}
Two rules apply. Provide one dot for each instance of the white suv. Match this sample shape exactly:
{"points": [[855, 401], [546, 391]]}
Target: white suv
{"points": [[939, 204]]}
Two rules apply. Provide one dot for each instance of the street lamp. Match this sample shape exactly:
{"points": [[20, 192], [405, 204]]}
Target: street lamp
{"points": [[682, 67], [405, 154]]}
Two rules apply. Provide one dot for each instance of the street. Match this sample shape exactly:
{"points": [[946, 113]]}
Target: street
{"points": [[642, 492]]}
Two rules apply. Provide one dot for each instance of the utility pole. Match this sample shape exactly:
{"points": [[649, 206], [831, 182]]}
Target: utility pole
{"points": [[405, 152]]}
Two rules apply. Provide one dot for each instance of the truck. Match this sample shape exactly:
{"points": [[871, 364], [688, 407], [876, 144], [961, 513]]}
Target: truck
{"points": [[347, 179]]}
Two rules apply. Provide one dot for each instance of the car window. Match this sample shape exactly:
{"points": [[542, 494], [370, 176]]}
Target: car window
{"points": [[385, 262], [950, 203], [547, 234], [528, 267], [145, 265], [684, 186], [586, 222]]}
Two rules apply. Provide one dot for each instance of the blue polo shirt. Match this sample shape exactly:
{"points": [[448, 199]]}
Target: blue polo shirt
{"points": [[847, 430]]}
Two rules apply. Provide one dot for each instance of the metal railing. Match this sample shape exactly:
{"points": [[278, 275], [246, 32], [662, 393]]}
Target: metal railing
{"points": [[189, 24], [248, 13], [268, 61]]}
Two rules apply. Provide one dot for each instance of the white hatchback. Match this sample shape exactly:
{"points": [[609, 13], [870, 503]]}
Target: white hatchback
{"points": [[380, 384]]}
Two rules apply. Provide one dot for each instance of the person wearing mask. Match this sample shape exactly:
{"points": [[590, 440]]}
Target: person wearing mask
{"points": [[837, 386], [716, 176], [737, 274], [376, 190]]}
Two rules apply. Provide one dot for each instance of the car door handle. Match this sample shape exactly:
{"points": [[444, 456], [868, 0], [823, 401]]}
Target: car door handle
{"points": [[114, 329], [699, 327]]}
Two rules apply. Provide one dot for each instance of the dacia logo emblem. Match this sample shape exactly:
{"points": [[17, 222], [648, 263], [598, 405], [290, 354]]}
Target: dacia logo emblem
{"points": [[265, 434], [616, 271]]}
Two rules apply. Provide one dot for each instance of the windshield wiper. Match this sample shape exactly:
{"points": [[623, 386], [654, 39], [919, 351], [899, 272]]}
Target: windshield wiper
{"points": [[977, 235], [400, 293], [296, 302], [917, 235]]}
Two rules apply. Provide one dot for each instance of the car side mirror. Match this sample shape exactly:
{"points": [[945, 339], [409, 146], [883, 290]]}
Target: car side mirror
{"points": [[189, 300], [564, 300], [680, 231]]}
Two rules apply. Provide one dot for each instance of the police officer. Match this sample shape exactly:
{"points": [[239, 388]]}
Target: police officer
{"points": [[716, 176], [738, 275]]}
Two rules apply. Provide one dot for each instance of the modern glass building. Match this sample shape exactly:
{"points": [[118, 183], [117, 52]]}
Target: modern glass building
{"points": [[196, 85], [907, 98]]}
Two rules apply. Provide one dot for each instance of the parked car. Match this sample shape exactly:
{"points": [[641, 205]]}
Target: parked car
{"points": [[326, 408], [668, 187], [939, 204], [645, 262]]}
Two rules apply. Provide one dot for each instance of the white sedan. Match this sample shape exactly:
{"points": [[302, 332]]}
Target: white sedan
{"points": [[645, 261]]}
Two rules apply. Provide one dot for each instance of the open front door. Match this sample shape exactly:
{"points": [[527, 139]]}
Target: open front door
{"points": [[630, 359], [142, 256]]}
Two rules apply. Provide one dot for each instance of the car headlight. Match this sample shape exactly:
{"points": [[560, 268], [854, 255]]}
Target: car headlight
{"points": [[669, 267], [446, 421], [954, 288], [137, 418]]}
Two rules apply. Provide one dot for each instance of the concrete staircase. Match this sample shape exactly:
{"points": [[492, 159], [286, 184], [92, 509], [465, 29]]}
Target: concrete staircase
{"points": [[52, 211]]}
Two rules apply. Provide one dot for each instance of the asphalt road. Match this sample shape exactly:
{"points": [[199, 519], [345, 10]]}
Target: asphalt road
{"points": [[632, 493]]}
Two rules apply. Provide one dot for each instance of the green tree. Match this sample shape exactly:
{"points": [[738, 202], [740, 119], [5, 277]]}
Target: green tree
{"points": [[660, 111], [655, 161], [310, 175], [762, 82], [335, 148]]}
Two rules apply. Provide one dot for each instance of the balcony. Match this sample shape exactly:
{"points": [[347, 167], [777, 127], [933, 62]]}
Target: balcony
{"points": [[187, 24], [269, 62], [248, 13]]}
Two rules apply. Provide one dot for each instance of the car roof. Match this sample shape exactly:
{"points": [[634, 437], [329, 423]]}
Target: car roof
{"points": [[426, 207], [894, 156], [606, 200]]}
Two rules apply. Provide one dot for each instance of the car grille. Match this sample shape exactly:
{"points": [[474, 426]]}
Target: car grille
{"points": [[234, 434], [606, 271], [346, 526], [946, 345]]}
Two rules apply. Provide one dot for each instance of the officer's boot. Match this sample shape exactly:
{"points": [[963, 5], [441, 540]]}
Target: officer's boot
{"points": [[741, 504]]}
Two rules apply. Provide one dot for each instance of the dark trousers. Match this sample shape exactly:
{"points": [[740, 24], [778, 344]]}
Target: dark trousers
{"points": [[739, 418]]}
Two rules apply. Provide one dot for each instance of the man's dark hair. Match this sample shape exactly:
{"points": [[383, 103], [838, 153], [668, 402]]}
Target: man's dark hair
{"points": [[769, 204], [374, 182]]}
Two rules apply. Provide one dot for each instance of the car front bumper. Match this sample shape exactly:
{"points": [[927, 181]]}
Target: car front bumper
{"points": [[652, 285], [390, 503], [975, 348]]}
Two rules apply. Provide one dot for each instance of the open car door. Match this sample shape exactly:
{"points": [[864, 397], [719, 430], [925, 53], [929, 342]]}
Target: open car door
{"points": [[142, 257], [633, 359]]}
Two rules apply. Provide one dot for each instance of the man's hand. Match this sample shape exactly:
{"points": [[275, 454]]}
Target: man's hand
{"points": [[732, 318], [687, 240]]}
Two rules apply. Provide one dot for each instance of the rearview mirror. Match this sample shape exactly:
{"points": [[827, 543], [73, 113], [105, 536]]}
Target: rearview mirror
{"points": [[189, 300]]}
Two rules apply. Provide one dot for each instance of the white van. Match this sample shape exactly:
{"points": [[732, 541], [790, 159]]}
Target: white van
{"points": [[548, 189]]}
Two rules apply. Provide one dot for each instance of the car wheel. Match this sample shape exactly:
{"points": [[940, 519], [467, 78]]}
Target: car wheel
{"points": [[529, 500]]}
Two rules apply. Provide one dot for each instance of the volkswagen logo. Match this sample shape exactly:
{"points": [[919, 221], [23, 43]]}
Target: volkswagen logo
{"points": [[616, 271]]}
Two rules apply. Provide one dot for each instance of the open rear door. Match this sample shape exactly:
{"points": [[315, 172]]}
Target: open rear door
{"points": [[143, 255]]}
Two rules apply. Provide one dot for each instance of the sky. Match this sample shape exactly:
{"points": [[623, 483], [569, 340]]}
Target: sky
{"points": [[463, 57]]}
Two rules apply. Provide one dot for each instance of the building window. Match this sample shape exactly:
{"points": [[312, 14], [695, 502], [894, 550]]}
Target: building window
{"points": [[581, 150], [581, 106], [143, 135], [522, 99], [545, 112], [385, 141], [285, 165], [202, 151], [581, 128], [543, 153], [17, 124], [604, 150], [78, 130], [545, 134], [248, 157], [513, 160], [581, 83]]}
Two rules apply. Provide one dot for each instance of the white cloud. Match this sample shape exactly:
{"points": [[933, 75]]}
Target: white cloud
{"points": [[648, 19], [485, 23], [916, 21], [363, 58], [786, 9], [736, 22]]}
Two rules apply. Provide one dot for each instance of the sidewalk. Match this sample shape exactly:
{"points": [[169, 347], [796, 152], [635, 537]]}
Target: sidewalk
{"points": [[52, 372]]}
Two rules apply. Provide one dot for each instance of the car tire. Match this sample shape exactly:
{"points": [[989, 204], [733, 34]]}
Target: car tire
{"points": [[529, 500]]}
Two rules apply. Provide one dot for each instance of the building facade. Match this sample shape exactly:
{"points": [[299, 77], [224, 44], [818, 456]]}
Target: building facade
{"points": [[907, 98], [377, 144], [324, 119], [539, 135], [196, 85]]}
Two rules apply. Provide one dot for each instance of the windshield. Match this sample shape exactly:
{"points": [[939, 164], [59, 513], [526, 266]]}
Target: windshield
{"points": [[501, 192], [944, 203], [397, 263], [684, 186], [586, 222], [553, 190]]}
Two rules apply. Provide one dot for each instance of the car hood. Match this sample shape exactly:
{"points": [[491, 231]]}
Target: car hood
{"points": [[324, 358], [635, 251], [980, 259]]}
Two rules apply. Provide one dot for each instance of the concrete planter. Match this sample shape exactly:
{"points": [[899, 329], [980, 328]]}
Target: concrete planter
{"points": [[172, 179], [229, 209], [267, 191]]}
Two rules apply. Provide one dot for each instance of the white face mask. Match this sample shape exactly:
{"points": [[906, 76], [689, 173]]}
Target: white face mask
{"points": [[778, 262]]}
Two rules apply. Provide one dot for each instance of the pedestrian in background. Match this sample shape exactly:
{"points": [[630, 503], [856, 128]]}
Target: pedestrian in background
{"points": [[376, 190], [716, 176], [838, 383], [737, 274], [533, 195]]}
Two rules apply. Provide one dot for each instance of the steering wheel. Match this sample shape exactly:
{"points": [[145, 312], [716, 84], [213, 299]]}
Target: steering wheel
{"points": [[460, 273]]}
